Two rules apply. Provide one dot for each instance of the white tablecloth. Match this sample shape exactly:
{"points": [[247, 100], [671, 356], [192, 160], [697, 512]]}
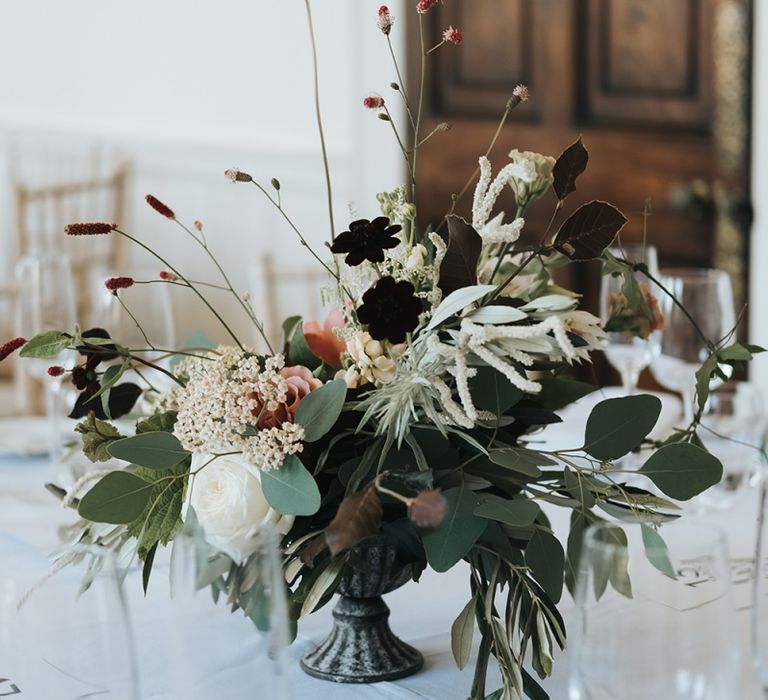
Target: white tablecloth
{"points": [[421, 613]]}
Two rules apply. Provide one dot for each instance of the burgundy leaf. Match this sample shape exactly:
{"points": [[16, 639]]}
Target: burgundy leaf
{"points": [[589, 231], [571, 163], [428, 508], [358, 517], [459, 266]]}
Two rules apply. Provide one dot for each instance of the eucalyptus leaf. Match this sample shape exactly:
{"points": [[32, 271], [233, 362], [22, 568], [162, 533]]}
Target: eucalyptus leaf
{"points": [[320, 409], [518, 512], [459, 266], [558, 392], [291, 490], [682, 470], [617, 426], [118, 498], [450, 541], [492, 391], [578, 487], [156, 450], [545, 557], [299, 352], [46, 345]]}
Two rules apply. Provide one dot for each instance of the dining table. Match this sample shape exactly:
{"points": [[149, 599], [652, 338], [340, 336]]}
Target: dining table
{"points": [[421, 612]]}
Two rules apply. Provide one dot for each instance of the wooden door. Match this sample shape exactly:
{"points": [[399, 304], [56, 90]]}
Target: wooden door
{"points": [[657, 88]]}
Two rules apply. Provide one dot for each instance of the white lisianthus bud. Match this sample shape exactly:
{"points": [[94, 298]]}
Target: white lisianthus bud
{"points": [[230, 505], [526, 192], [351, 376], [415, 260]]}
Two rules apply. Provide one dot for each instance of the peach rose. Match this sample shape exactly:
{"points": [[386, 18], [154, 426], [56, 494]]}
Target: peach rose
{"points": [[323, 341], [301, 382]]}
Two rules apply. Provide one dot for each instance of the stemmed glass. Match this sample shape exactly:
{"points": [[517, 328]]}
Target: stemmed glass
{"points": [[627, 353], [59, 638], [676, 638], [46, 302], [708, 298], [212, 653]]}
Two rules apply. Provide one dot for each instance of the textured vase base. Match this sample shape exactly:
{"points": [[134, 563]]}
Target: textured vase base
{"points": [[361, 647]]}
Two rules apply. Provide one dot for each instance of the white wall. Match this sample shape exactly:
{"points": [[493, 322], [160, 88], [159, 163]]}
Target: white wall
{"points": [[186, 89], [758, 317]]}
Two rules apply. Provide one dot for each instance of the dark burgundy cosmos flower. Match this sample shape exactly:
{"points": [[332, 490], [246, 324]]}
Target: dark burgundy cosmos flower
{"points": [[10, 347], [159, 207], [390, 310], [367, 240], [94, 228], [122, 397]]}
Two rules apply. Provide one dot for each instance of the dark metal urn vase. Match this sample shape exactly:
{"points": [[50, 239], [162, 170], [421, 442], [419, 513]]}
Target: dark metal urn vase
{"points": [[361, 647]]}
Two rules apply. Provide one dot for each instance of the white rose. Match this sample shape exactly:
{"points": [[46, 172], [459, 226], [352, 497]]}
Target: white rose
{"points": [[230, 505]]}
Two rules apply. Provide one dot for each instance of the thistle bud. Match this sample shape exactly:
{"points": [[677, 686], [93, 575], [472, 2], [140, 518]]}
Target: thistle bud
{"points": [[159, 207], [384, 117], [275, 183], [237, 175], [56, 371], [519, 94], [89, 229], [115, 283], [385, 20], [394, 86], [443, 126], [10, 347], [168, 276], [373, 102], [425, 6], [452, 36], [198, 225]]}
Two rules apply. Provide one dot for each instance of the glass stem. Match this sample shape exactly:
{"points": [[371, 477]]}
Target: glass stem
{"points": [[53, 405], [629, 379]]}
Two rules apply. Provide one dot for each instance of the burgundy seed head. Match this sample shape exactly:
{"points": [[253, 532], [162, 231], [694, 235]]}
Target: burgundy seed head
{"points": [[95, 228], [159, 207], [115, 283], [10, 347]]}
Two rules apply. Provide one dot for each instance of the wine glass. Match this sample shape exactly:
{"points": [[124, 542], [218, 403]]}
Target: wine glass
{"points": [[706, 296], [58, 640], [628, 353], [47, 302], [733, 425], [210, 651], [676, 638]]}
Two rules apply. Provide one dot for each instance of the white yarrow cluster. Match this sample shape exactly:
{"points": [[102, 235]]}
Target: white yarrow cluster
{"points": [[218, 409]]}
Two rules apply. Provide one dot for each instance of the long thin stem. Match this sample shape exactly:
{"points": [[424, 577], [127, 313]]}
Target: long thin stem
{"points": [[419, 113], [510, 106], [320, 120], [259, 325], [303, 240], [191, 286], [401, 84], [397, 136], [134, 319]]}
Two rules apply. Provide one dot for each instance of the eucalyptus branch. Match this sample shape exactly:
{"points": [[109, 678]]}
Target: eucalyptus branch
{"points": [[191, 286], [319, 118]]}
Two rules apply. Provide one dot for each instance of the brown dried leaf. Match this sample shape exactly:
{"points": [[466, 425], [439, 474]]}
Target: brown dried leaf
{"points": [[428, 508], [358, 517], [571, 163], [315, 547]]}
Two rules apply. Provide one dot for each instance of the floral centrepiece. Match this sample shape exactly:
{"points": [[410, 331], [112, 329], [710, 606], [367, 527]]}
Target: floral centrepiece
{"points": [[411, 414]]}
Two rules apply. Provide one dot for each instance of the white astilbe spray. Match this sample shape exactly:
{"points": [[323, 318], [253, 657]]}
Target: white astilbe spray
{"points": [[219, 407], [486, 194], [480, 340]]}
